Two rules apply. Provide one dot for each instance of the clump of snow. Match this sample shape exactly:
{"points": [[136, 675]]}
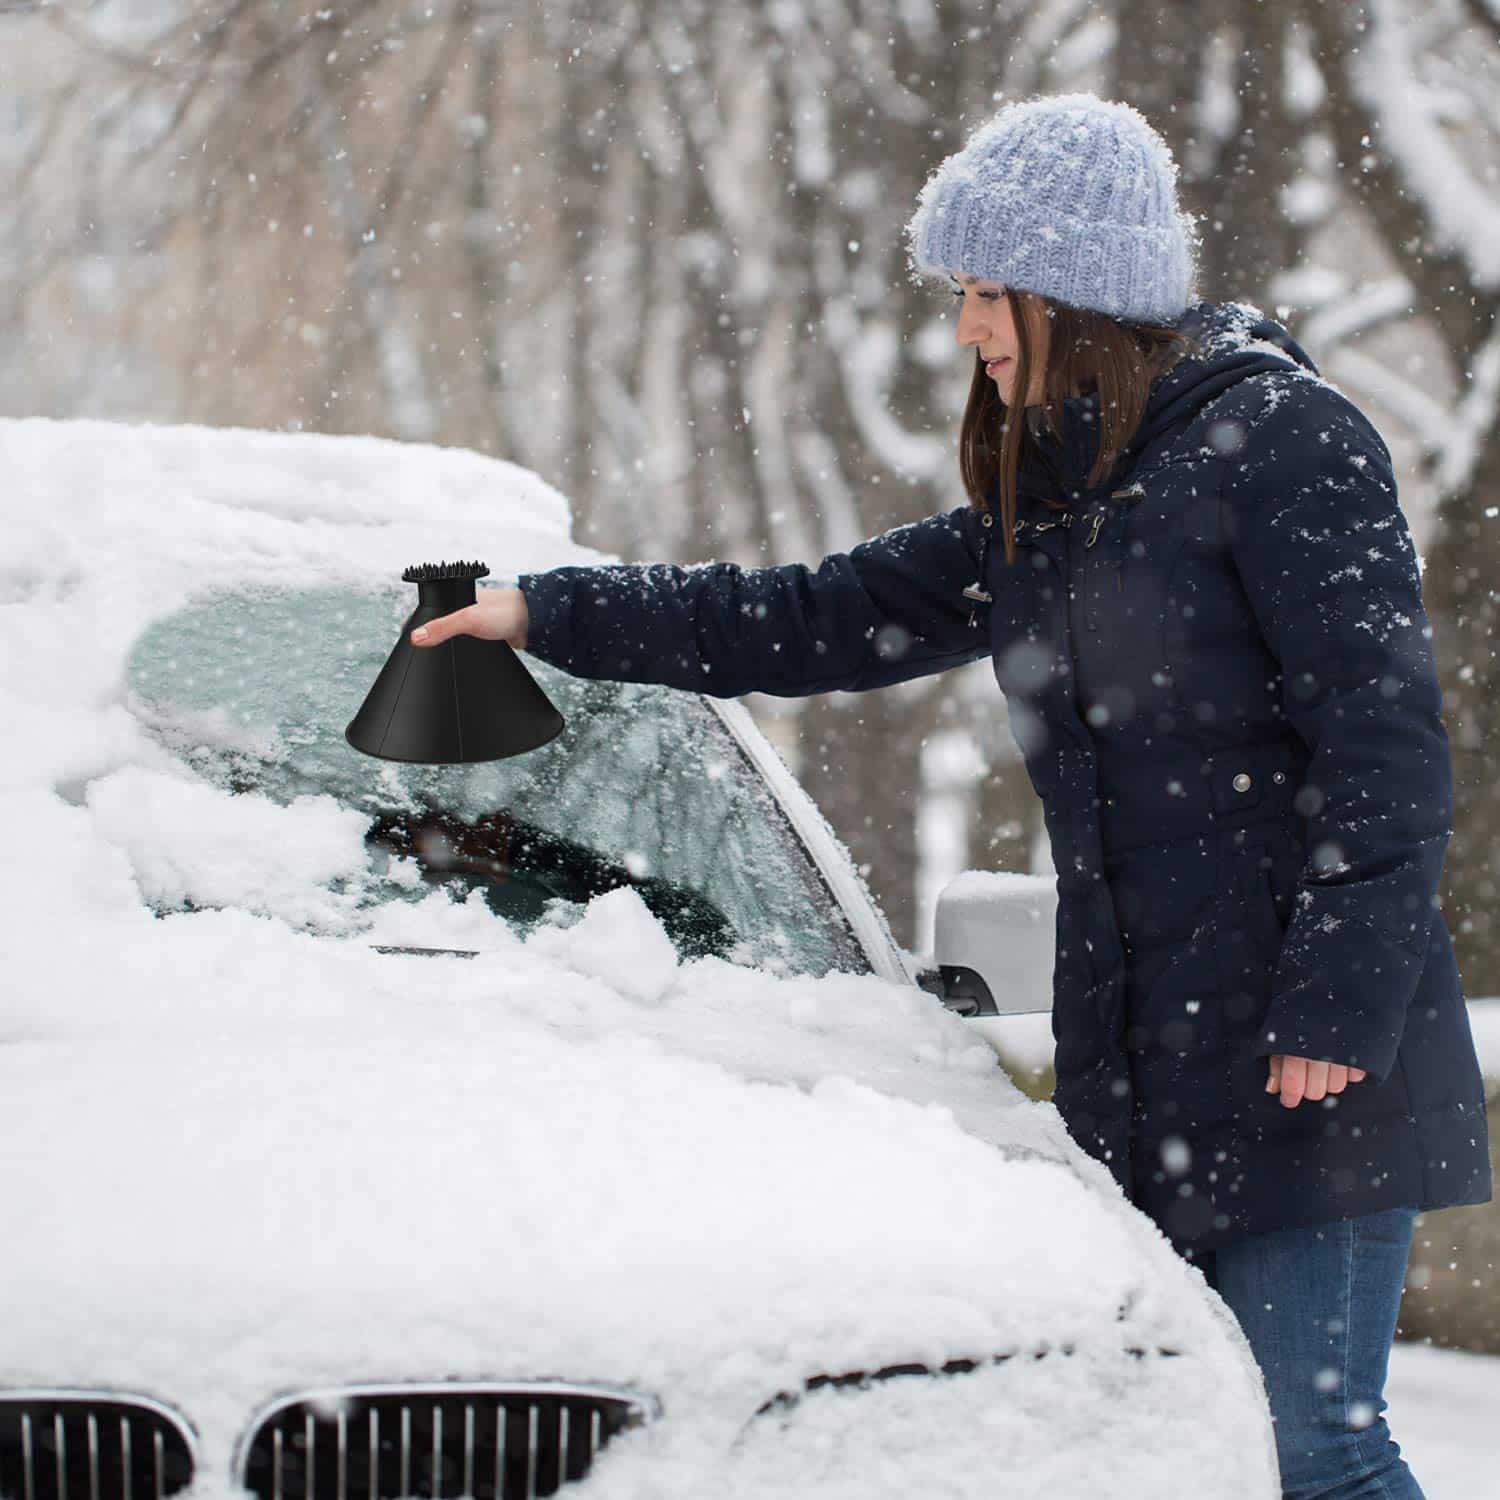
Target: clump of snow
{"points": [[615, 923], [190, 843]]}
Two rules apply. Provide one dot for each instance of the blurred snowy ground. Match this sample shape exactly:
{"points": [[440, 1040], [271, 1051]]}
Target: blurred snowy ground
{"points": [[1441, 1406]]}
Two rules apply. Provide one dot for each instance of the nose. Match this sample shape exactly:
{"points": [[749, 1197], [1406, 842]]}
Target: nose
{"points": [[972, 330]]}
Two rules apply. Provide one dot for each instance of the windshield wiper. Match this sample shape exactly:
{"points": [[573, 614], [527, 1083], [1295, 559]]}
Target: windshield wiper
{"points": [[397, 948]]}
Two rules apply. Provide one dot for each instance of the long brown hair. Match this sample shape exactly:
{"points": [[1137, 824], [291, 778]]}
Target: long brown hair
{"points": [[1088, 351]]}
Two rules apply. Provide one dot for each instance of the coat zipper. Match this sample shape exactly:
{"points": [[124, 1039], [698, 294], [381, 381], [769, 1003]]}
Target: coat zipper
{"points": [[976, 590], [1097, 517], [1131, 492]]}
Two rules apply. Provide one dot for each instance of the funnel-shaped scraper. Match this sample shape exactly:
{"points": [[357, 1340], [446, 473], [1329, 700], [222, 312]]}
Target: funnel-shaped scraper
{"points": [[463, 700]]}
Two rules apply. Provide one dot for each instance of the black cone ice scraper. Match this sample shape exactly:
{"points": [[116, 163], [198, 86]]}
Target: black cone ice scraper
{"points": [[463, 700]]}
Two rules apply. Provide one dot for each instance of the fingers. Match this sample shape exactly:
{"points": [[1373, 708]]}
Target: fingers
{"points": [[1317, 1081], [1299, 1078], [496, 615], [1273, 1083], [435, 632], [1293, 1081]]}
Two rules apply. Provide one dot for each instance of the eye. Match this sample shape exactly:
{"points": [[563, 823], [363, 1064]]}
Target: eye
{"points": [[958, 291]]}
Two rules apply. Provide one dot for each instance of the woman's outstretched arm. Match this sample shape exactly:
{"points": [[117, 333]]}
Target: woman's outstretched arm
{"points": [[889, 609]]}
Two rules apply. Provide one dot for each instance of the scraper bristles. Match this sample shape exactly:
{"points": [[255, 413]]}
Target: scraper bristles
{"points": [[430, 572]]}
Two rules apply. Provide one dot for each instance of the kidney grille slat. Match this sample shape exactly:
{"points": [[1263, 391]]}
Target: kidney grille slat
{"points": [[78, 1445], [432, 1442]]}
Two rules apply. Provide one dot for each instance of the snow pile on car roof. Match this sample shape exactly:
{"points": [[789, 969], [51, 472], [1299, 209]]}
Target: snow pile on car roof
{"points": [[240, 503]]}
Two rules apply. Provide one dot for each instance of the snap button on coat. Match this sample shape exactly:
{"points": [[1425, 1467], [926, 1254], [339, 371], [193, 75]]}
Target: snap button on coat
{"points": [[1248, 826]]}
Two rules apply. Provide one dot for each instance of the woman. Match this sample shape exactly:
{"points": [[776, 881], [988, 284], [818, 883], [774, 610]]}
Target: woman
{"points": [[1206, 617]]}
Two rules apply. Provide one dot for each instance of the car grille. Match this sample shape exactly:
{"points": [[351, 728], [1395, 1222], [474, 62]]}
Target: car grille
{"points": [[59, 1445], [491, 1443]]}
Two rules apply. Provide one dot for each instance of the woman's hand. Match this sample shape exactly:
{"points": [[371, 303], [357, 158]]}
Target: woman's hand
{"points": [[496, 615], [1299, 1078]]}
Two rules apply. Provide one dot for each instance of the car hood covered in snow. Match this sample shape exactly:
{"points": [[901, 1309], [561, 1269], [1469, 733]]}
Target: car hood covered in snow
{"points": [[239, 1160]]}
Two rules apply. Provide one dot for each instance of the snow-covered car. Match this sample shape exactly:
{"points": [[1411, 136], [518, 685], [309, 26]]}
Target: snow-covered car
{"points": [[373, 1130]]}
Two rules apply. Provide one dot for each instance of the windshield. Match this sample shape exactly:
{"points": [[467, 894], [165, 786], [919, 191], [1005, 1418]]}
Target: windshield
{"points": [[643, 787]]}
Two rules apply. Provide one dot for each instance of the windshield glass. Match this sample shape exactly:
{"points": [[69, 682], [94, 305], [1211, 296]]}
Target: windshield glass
{"points": [[643, 787]]}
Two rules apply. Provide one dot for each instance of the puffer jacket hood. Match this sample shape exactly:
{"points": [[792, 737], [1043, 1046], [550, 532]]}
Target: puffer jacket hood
{"points": [[1230, 342]]}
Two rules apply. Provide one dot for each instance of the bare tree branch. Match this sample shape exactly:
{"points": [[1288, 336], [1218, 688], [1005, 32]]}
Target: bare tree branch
{"points": [[1396, 192]]}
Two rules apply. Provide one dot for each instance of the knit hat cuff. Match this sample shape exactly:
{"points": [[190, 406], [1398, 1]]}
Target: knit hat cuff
{"points": [[1143, 273]]}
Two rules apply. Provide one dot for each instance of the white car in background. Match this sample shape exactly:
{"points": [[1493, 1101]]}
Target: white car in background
{"points": [[569, 1121]]}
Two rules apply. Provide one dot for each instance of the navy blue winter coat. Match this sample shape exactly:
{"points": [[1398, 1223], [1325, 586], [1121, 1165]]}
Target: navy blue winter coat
{"points": [[1219, 669]]}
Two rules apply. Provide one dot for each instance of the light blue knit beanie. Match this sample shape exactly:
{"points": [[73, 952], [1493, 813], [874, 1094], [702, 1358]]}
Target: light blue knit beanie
{"points": [[1070, 196]]}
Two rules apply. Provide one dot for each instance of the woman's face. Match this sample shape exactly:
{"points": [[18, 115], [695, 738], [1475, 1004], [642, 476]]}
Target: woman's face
{"points": [[985, 324]]}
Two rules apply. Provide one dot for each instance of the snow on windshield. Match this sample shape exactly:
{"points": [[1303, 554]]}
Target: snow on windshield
{"points": [[644, 785]]}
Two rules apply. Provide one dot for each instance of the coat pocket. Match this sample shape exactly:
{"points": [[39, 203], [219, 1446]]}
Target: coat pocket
{"points": [[1266, 924], [1175, 987]]}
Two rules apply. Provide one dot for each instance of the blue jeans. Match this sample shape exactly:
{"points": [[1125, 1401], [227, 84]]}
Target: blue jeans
{"points": [[1318, 1306]]}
